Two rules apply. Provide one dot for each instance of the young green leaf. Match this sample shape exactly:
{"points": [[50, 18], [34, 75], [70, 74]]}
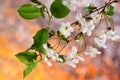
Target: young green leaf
{"points": [[27, 57], [110, 11], [110, 8], [29, 11], [30, 68], [40, 38], [42, 11], [59, 10], [90, 8]]}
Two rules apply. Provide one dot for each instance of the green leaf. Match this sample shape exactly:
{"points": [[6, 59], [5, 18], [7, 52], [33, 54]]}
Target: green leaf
{"points": [[27, 57], [30, 68], [110, 13], [110, 8], [29, 11], [59, 10], [42, 11], [90, 8], [40, 38]]}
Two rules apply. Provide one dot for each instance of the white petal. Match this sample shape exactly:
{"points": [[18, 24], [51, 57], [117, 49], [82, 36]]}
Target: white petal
{"points": [[71, 29], [89, 32], [67, 34], [72, 64], [70, 56], [48, 62], [100, 42], [92, 27], [84, 30], [74, 49], [75, 61], [68, 24], [86, 53], [81, 58]]}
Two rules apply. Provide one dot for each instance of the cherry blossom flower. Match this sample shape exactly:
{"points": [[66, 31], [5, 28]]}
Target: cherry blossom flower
{"points": [[101, 39], [79, 18], [92, 52], [48, 51], [88, 27], [81, 58], [51, 53], [102, 34], [112, 35], [100, 42], [72, 62], [66, 29], [73, 53], [72, 58]]}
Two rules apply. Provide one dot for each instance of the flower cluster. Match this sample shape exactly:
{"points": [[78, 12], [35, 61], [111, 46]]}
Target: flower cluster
{"points": [[103, 35], [71, 59], [66, 29], [87, 26], [50, 54]]}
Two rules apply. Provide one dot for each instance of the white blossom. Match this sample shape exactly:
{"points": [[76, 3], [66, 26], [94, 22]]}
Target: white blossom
{"points": [[79, 18], [48, 51], [66, 29], [101, 39], [100, 42], [69, 4], [73, 62], [51, 53], [73, 53], [92, 52], [88, 27], [81, 58], [102, 34], [112, 35], [72, 58]]}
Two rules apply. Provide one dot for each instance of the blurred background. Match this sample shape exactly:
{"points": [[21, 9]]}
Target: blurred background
{"points": [[16, 36]]}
